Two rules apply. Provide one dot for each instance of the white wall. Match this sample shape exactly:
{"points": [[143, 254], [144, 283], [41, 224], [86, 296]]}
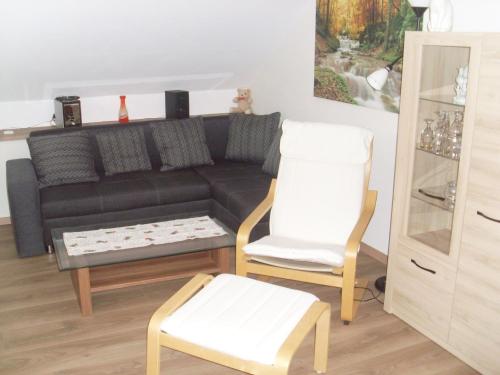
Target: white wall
{"points": [[139, 48], [22, 114], [286, 84]]}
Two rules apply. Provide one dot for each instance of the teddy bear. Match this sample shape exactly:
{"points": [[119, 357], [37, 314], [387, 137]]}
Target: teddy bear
{"points": [[244, 102]]}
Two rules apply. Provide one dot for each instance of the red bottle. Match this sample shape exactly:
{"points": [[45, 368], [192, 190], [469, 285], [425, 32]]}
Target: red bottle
{"points": [[123, 114]]}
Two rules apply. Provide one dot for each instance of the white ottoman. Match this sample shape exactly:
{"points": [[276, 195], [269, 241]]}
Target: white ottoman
{"points": [[242, 323]]}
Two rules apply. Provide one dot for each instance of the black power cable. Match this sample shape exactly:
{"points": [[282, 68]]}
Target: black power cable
{"points": [[373, 297]]}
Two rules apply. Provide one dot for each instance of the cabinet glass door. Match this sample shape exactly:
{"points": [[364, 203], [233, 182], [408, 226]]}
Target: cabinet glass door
{"points": [[441, 106]]}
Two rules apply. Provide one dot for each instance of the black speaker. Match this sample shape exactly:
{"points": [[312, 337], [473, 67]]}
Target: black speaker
{"points": [[176, 104]]}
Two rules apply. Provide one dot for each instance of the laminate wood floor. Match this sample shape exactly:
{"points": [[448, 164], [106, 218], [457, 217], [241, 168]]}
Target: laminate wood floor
{"points": [[42, 332]]}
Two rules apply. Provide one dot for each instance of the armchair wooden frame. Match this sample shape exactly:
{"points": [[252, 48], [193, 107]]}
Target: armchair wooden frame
{"points": [[343, 277], [318, 315]]}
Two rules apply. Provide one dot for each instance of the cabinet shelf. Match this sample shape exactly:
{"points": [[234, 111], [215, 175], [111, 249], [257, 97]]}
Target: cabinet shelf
{"points": [[424, 195], [438, 155], [439, 239], [441, 99]]}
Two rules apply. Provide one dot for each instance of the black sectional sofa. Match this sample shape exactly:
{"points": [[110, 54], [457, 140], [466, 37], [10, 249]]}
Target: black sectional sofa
{"points": [[227, 190]]}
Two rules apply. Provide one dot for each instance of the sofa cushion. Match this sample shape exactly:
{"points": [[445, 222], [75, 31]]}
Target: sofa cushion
{"points": [[272, 162], [62, 159], [182, 143], [123, 150], [238, 187], [250, 136], [123, 192]]}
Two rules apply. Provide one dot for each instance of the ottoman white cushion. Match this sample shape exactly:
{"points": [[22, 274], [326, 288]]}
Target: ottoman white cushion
{"points": [[242, 317]]}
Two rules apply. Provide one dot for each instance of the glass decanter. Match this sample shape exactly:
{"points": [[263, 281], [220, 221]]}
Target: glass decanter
{"points": [[427, 135], [440, 132], [454, 136]]}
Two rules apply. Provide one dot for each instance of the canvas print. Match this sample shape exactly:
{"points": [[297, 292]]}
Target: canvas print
{"points": [[353, 39]]}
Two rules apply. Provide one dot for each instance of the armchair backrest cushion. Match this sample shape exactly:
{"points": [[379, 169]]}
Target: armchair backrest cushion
{"points": [[322, 181]]}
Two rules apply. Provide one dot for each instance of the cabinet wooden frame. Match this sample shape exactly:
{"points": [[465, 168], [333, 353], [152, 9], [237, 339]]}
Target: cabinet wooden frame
{"points": [[318, 315], [407, 136], [340, 277], [463, 282]]}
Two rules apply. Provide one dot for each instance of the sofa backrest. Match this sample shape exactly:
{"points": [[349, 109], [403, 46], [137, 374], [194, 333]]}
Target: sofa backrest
{"points": [[216, 131]]}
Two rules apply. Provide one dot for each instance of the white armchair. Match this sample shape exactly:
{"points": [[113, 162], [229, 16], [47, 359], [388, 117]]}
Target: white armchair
{"points": [[321, 207]]}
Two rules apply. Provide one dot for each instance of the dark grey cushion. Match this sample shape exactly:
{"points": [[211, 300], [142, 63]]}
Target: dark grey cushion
{"points": [[123, 150], [250, 136], [182, 144], [62, 159], [238, 187], [272, 162]]}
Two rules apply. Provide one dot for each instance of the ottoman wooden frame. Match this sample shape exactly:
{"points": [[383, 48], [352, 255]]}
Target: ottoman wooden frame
{"points": [[318, 315]]}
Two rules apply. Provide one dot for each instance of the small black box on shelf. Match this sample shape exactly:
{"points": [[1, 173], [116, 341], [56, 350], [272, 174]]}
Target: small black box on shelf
{"points": [[176, 104], [67, 111]]}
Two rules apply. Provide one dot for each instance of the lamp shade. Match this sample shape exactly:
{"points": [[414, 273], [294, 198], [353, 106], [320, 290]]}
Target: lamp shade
{"points": [[378, 78]]}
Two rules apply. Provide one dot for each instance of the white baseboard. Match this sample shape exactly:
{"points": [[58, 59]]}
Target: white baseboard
{"points": [[4, 220], [373, 253]]}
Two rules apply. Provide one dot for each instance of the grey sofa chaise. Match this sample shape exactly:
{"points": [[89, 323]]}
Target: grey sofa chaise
{"points": [[226, 190]]}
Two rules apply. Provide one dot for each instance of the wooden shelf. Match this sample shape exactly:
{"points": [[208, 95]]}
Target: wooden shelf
{"points": [[441, 99], [438, 155], [151, 270], [439, 239], [23, 133], [434, 190]]}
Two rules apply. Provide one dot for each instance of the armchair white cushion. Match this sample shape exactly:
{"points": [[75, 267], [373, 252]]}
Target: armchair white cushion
{"points": [[296, 250], [320, 192]]}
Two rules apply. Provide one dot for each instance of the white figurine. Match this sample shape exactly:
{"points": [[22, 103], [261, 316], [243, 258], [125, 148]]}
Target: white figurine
{"points": [[440, 15], [461, 86]]}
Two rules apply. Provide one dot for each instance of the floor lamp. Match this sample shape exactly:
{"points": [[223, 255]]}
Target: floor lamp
{"points": [[378, 79]]}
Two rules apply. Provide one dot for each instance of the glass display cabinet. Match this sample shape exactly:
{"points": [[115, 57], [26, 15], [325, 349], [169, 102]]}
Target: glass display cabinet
{"points": [[438, 136], [444, 260]]}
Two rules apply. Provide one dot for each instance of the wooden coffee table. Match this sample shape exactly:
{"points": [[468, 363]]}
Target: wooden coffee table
{"points": [[98, 272]]}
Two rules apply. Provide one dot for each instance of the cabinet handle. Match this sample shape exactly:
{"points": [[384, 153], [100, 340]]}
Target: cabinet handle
{"points": [[487, 217], [423, 268]]}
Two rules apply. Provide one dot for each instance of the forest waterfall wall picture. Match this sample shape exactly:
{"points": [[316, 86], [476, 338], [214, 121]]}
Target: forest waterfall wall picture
{"points": [[353, 39]]}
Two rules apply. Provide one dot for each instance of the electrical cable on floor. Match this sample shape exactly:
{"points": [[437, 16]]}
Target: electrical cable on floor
{"points": [[373, 297]]}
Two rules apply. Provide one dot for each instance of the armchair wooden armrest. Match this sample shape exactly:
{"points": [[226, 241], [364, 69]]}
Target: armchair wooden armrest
{"points": [[359, 230], [348, 305], [248, 224]]}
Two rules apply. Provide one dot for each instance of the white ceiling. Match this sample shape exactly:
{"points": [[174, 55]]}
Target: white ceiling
{"points": [[105, 47]]}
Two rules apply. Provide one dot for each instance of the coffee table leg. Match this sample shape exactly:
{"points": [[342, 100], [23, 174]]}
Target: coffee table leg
{"points": [[222, 258], [81, 283]]}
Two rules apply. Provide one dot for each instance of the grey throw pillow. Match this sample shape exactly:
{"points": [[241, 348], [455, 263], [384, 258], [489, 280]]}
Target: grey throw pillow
{"points": [[181, 143], [272, 162], [250, 136], [123, 150], [62, 159]]}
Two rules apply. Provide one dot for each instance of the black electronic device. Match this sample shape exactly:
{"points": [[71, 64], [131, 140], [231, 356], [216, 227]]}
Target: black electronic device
{"points": [[68, 112], [176, 104]]}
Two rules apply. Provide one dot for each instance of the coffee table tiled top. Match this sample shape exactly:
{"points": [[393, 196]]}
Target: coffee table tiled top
{"points": [[66, 262]]}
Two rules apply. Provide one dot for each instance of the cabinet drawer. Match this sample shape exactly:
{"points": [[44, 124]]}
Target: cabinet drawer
{"points": [[423, 293]]}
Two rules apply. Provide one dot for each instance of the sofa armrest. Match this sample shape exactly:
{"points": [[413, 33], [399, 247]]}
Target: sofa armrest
{"points": [[24, 205]]}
